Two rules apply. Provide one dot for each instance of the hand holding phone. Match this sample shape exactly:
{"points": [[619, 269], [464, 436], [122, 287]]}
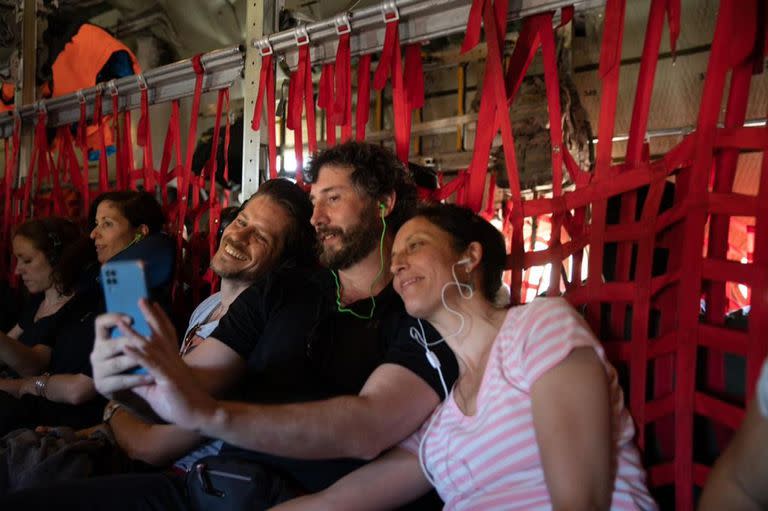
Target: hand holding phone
{"points": [[124, 284]]}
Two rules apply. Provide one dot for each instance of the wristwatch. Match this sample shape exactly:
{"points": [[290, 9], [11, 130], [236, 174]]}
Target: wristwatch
{"points": [[109, 411]]}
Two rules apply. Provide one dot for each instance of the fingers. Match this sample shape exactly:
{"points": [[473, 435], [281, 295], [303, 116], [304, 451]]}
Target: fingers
{"points": [[157, 319], [109, 386], [106, 322]]}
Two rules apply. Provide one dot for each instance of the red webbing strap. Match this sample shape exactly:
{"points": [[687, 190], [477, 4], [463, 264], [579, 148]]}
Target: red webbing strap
{"points": [[728, 46], [673, 17], [225, 173], [82, 143], [725, 164], [758, 318], [610, 65], [11, 161], [97, 118], [185, 177], [301, 96], [267, 84], [486, 122], [294, 123], [144, 140], [489, 211], [391, 63], [636, 143], [129, 163], [172, 141], [413, 81], [214, 205], [552, 82], [326, 101], [363, 96], [494, 20], [120, 171], [343, 81], [472, 35], [68, 159]]}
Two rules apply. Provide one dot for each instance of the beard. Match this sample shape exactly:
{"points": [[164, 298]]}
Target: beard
{"points": [[357, 241]]}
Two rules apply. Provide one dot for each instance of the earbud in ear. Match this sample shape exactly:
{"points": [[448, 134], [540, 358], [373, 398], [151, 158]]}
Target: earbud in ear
{"points": [[466, 260], [138, 237], [382, 206]]}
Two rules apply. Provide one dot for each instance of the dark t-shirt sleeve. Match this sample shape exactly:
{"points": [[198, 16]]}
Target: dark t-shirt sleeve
{"points": [[406, 351], [242, 325], [275, 310]]}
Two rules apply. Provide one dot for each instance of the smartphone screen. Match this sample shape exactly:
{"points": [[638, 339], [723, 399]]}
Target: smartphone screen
{"points": [[124, 284]]}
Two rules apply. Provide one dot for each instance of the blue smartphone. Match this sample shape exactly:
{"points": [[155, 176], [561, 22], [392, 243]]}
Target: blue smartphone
{"points": [[124, 284]]}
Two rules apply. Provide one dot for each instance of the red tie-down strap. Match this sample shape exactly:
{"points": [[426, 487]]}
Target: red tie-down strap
{"points": [[121, 180], [206, 242], [11, 152], [171, 148], [144, 140], [363, 96], [733, 42], [81, 140], [342, 107], [301, 96], [390, 63], [326, 101], [67, 160], [267, 85], [184, 178], [47, 172], [486, 123], [97, 121]]}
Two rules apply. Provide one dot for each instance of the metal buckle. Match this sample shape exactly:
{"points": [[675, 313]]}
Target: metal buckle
{"points": [[41, 108], [141, 81], [342, 24], [264, 46], [301, 36], [80, 96], [389, 11], [112, 87]]}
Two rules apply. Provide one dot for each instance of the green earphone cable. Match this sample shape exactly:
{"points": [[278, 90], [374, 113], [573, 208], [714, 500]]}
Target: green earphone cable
{"points": [[339, 307]]}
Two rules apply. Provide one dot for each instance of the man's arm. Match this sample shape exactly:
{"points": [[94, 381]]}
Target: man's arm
{"points": [[739, 479], [156, 444], [393, 403]]}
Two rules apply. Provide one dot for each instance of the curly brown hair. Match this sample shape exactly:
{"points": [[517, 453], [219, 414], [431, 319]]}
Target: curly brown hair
{"points": [[66, 247]]}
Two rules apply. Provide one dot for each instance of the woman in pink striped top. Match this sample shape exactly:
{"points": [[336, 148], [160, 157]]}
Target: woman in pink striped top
{"points": [[536, 419]]}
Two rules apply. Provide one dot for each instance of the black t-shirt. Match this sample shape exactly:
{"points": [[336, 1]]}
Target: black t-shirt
{"points": [[69, 332], [267, 325], [333, 353]]}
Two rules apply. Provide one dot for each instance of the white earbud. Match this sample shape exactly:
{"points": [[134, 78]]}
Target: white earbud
{"points": [[466, 260]]}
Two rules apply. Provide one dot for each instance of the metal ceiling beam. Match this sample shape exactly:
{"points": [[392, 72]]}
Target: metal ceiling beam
{"points": [[420, 20], [166, 83]]}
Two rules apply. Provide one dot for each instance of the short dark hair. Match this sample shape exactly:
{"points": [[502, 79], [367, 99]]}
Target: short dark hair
{"points": [[464, 226], [65, 246], [376, 171], [137, 207], [300, 240]]}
